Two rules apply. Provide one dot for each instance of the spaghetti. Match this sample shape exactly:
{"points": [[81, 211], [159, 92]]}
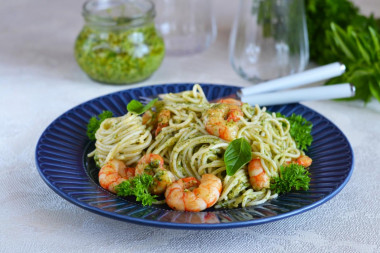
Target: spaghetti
{"points": [[188, 148]]}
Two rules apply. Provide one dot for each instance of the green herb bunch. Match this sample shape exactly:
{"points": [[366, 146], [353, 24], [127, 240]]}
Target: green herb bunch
{"points": [[360, 51], [320, 14], [338, 32]]}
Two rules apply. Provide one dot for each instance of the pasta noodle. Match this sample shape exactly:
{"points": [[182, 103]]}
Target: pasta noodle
{"points": [[189, 150], [124, 138]]}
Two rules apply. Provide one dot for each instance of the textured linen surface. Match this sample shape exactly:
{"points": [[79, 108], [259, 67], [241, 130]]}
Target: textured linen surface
{"points": [[39, 80]]}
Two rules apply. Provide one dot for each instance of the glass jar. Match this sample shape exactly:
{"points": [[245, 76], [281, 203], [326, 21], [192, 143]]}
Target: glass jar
{"points": [[119, 42], [269, 39], [188, 26]]}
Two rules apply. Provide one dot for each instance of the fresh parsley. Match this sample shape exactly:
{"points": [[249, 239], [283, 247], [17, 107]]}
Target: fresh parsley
{"points": [[94, 123], [138, 187], [300, 130], [237, 154], [138, 108], [291, 177]]}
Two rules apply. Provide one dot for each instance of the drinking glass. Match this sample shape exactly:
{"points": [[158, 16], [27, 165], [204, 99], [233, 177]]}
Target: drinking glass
{"points": [[188, 26], [269, 39]]}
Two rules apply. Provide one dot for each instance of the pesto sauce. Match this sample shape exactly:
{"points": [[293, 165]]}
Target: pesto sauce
{"points": [[119, 56]]}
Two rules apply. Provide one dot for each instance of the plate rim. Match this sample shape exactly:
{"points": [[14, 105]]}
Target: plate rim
{"points": [[192, 226]]}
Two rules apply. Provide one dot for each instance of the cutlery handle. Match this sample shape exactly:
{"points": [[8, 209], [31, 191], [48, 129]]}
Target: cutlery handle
{"points": [[292, 96], [306, 77]]}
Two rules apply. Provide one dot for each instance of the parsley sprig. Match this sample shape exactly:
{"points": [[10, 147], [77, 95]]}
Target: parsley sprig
{"points": [[300, 130], [94, 123], [138, 187], [291, 177]]}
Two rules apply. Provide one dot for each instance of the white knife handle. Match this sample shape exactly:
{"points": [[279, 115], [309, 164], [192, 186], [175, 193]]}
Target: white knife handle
{"points": [[292, 96], [306, 77]]}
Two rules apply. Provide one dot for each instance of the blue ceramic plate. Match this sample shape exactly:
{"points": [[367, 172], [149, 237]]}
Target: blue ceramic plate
{"points": [[62, 163]]}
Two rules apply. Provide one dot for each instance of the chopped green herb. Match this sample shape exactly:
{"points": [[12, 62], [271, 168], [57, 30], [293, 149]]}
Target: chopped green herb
{"points": [[94, 123], [138, 187], [292, 177], [137, 107], [119, 56], [238, 154], [300, 130]]}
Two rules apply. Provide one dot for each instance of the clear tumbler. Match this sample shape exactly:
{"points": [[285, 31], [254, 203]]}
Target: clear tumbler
{"points": [[269, 39], [188, 26]]}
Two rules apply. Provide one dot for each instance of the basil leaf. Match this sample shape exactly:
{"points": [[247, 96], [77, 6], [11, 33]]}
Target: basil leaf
{"points": [[138, 108], [238, 154]]}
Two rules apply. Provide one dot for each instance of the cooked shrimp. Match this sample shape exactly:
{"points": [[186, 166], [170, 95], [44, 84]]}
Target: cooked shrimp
{"points": [[304, 160], [221, 120], [149, 118], [156, 120], [230, 101], [186, 217], [113, 173], [153, 164], [163, 120], [190, 194], [257, 175]]}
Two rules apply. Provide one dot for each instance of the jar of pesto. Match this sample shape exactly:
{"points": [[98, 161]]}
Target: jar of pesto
{"points": [[119, 42]]}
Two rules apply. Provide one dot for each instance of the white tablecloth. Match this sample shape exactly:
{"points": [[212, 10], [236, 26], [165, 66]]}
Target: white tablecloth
{"points": [[39, 80]]}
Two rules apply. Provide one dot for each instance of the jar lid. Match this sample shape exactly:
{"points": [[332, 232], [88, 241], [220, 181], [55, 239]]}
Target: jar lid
{"points": [[110, 13]]}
